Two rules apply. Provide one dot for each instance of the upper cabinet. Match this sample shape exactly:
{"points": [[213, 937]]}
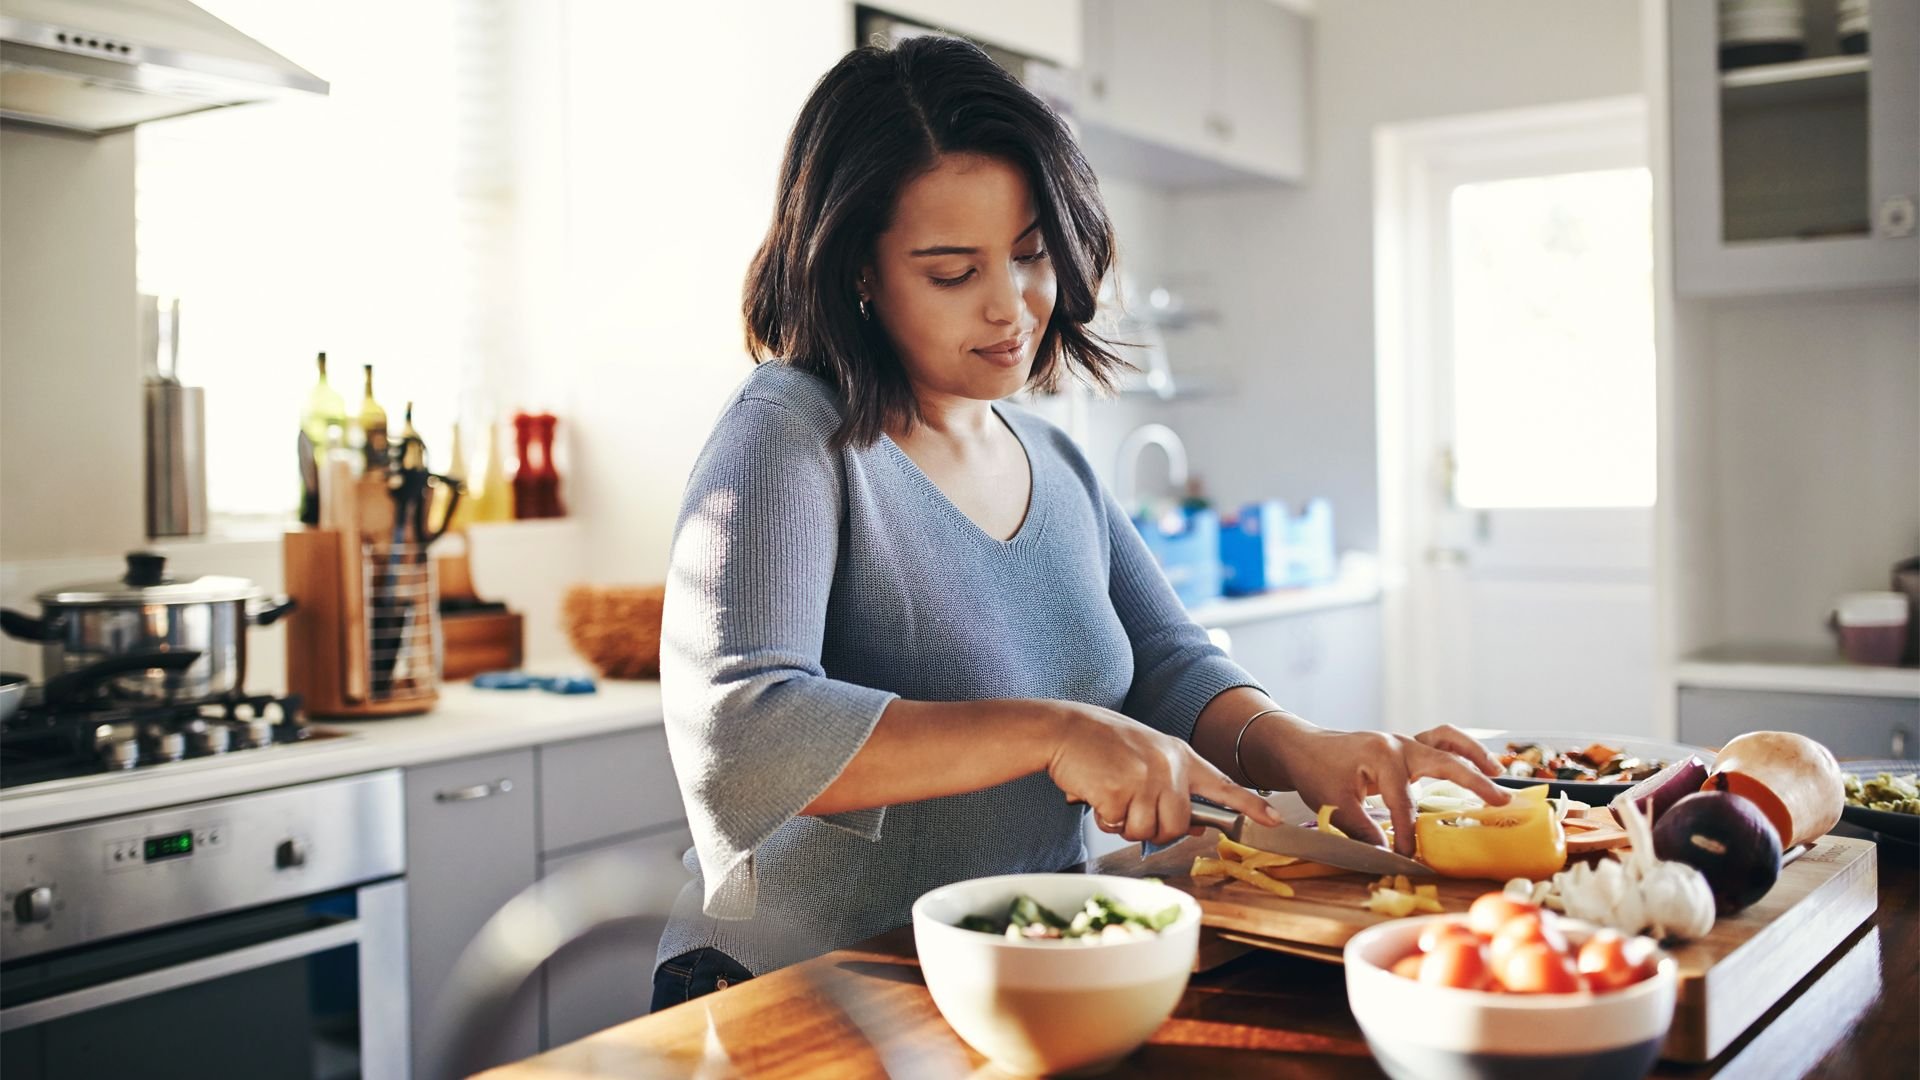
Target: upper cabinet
{"points": [[1210, 92], [1797, 176]]}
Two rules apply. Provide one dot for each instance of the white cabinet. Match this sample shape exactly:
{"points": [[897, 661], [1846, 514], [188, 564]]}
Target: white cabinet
{"points": [[482, 830], [1323, 665], [1794, 177], [606, 977], [1190, 94]]}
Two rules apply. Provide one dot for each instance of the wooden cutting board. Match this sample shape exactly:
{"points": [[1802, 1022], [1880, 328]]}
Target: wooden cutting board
{"points": [[1727, 981]]}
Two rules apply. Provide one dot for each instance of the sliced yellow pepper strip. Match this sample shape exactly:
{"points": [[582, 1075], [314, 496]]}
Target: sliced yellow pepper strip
{"points": [[1326, 821], [1252, 856], [1521, 839], [1205, 867]]}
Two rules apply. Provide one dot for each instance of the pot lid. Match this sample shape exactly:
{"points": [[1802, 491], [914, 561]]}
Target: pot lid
{"points": [[147, 582]]}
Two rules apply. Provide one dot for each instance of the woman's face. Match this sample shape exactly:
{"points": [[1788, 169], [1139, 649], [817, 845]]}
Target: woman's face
{"points": [[961, 281]]}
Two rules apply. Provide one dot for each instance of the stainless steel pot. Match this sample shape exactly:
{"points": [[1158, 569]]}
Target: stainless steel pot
{"points": [[148, 612]]}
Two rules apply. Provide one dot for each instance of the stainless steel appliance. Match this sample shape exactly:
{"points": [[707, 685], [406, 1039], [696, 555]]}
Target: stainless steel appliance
{"points": [[149, 611], [262, 936], [99, 66], [54, 736]]}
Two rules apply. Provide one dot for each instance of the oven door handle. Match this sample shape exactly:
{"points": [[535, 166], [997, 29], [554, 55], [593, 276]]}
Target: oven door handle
{"points": [[149, 983]]}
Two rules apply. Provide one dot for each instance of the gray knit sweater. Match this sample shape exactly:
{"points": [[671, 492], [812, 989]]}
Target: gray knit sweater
{"points": [[810, 587]]}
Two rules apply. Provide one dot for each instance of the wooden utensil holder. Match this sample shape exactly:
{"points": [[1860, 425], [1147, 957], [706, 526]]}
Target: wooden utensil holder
{"points": [[368, 640]]}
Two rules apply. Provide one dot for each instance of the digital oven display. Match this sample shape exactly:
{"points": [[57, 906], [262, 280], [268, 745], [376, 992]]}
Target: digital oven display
{"points": [[170, 846]]}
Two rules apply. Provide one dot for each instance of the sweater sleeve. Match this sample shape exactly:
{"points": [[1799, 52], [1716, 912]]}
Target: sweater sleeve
{"points": [[756, 728], [1177, 670]]}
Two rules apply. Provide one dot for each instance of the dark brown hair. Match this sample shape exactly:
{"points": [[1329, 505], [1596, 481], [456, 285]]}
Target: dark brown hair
{"points": [[878, 119]]}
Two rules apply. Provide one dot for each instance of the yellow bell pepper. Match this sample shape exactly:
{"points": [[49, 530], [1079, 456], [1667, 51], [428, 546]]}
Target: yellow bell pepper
{"points": [[1520, 839]]}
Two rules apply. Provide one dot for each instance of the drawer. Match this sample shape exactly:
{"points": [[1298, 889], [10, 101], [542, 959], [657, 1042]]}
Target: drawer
{"points": [[606, 786], [1850, 726]]}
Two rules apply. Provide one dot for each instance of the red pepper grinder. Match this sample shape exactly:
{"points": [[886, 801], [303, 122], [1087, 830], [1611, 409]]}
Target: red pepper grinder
{"points": [[543, 431], [526, 483]]}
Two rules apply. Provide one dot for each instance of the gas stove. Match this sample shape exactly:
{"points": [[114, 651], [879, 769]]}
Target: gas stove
{"points": [[100, 734]]}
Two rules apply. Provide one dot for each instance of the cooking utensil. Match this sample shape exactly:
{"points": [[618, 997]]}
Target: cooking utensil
{"points": [[1311, 844], [70, 686], [13, 687], [176, 435], [147, 611]]}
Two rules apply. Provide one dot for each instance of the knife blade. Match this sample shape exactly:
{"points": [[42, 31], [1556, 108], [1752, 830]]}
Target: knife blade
{"points": [[1312, 844]]}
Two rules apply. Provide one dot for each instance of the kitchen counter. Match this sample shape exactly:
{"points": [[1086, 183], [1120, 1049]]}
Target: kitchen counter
{"points": [[864, 1011], [467, 722], [1358, 583]]}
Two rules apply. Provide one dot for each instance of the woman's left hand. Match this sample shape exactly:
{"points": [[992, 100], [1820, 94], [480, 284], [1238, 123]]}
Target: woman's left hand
{"points": [[1341, 768]]}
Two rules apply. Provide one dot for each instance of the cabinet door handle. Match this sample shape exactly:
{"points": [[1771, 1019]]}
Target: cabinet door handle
{"points": [[477, 791], [1898, 746]]}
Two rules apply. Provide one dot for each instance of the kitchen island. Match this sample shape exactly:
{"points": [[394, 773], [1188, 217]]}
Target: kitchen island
{"points": [[864, 1011]]}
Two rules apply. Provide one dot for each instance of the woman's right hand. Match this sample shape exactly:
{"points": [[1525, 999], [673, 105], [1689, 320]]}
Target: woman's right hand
{"points": [[1138, 781]]}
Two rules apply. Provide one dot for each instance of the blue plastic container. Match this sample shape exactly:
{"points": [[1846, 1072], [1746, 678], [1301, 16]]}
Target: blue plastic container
{"points": [[1265, 547], [1186, 544]]}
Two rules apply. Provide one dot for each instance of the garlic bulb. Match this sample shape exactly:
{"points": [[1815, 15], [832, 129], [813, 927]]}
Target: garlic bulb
{"points": [[1640, 892]]}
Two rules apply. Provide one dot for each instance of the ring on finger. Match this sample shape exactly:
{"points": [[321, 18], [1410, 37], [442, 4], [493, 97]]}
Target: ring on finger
{"points": [[1110, 826]]}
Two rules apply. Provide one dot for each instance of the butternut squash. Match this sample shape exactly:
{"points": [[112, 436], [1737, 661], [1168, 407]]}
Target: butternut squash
{"points": [[1794, 781]]}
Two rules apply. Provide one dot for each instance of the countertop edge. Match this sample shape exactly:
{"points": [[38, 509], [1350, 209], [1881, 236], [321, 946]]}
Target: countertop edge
{"points": [[469, 723]]}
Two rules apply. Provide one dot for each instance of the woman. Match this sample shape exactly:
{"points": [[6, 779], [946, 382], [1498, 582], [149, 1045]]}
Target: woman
{"points": [[909, 639]]}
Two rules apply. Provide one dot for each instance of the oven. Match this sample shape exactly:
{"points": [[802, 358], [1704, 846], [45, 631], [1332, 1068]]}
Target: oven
{"points": [[259, 936]]}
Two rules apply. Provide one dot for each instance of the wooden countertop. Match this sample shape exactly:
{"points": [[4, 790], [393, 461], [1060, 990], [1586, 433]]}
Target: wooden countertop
{"points": [[864, 1011]]}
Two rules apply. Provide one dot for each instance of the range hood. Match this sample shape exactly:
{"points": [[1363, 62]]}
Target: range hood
{"points": [[100, 66]]}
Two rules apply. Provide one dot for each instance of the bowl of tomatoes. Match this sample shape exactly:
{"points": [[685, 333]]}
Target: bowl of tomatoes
{"points": [[1509, 990]]}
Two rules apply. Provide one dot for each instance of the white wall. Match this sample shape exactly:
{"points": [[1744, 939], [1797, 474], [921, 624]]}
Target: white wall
{"points": [[649, 184], [72, 466], [1293, 269]]}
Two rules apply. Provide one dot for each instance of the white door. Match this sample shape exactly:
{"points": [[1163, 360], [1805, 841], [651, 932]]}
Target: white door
{"points": [[1528, 447]]}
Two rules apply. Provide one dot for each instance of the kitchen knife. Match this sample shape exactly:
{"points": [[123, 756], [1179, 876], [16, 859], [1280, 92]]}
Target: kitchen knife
{"points": [[1312, 844]]}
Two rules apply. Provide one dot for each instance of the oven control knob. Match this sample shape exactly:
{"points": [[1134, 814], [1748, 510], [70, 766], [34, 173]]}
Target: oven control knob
{"points": [[289, 854], [33, 905]]}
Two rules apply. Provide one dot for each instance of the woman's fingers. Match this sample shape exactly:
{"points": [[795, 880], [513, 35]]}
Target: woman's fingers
{"points": [[1175, 814], [1350, 817], [1109, 817], [1143, 813], [1212, 784], [1449, 766], [1393, 789], [1453, 740]]}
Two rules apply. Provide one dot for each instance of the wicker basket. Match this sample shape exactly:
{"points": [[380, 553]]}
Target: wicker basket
{"points": [[616, 627]]}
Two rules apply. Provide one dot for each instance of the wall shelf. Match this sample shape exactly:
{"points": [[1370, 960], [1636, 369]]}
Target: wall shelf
{"points": [[1793, 669], [1815, 79]]}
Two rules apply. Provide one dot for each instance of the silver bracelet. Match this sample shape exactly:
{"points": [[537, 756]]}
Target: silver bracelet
{"points": [[1242, 737]]}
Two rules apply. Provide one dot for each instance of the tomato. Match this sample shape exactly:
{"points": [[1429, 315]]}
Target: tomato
{"points": [[1492, 909], [1458, 962], [1434, 933], [1604, 963], [1527, 928], [1537, 968], [1408, 966]]}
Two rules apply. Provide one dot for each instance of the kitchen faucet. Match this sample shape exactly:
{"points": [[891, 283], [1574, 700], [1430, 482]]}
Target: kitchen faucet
{"points": [[1128, 461]]}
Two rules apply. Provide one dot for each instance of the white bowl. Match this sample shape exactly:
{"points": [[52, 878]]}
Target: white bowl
{"points": [[1037, 1007], [1423, 1032]]}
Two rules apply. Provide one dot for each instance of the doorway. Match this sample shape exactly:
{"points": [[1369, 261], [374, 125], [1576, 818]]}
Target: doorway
{"points": [[1515, 338]]}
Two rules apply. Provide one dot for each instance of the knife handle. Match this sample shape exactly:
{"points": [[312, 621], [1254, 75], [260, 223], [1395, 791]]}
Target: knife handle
{"points": [[1217, 817]]}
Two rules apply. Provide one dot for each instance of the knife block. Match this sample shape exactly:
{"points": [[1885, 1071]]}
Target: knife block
{"points": [[368, 640]]}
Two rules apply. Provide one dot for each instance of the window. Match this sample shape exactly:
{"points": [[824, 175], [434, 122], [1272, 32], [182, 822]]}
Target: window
{"points": [[1553, 366], [370, 224]]}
